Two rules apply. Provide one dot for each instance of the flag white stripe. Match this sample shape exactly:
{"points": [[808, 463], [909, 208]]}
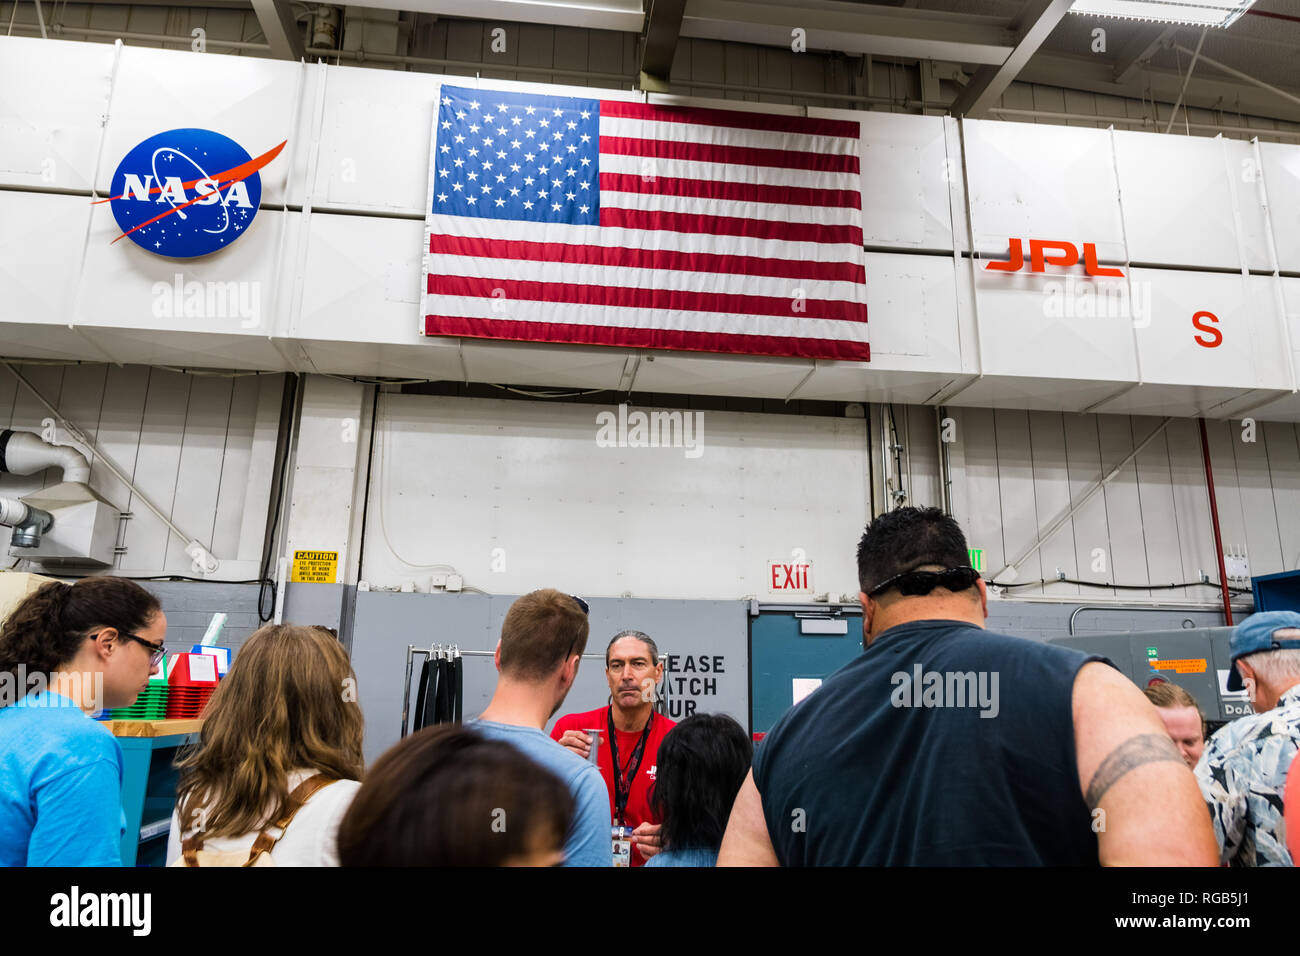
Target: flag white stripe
{"points": [[725, 172], [674, 280], [609, 236], [708, 135], [568, 313], [761, 212]]}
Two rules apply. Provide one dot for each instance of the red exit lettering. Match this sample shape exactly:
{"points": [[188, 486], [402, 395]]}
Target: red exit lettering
{"points": [[1049, 252], [789, 577]]}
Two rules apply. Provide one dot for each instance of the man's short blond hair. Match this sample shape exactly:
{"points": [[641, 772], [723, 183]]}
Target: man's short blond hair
{"points": [[541, 630]]}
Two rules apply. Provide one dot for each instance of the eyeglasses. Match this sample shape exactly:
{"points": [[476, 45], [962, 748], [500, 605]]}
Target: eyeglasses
{"points": [[917, 583], [156, 651]]}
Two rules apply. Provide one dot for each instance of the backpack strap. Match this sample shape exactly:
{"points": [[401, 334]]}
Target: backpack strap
{"points": [[264, 843]]}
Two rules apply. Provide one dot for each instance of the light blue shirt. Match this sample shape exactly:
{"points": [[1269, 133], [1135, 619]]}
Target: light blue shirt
{"points": [[691, 857], [60, 786], [589, 842]]}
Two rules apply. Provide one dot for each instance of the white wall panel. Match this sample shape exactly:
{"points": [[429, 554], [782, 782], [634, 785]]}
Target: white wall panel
{"points": [[912, 315], [1026, 328], [374, 144], [456, 478], [1160, 531], [1089, 526], [201, 448], [1177, 200], [1280, 442], [253, 101], [905, 179], [1191, 503], [1028, 181], [52, 103], [123, 286], [1051, 490], [41, 239], [1252, 353], [1281, 179], [1258, 504]]}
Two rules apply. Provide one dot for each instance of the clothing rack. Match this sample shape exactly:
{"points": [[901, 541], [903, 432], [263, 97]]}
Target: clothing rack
{"points": [[442, 684], [453, 654]]}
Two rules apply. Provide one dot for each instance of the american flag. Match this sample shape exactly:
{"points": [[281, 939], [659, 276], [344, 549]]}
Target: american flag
{"points": [[601, 222]]}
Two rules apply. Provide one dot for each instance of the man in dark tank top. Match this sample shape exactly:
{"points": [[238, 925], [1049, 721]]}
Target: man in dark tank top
{"points": [[947, 745]]}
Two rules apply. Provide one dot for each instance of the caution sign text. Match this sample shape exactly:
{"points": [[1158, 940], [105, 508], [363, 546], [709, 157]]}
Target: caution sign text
{"points": [[315, 567]]}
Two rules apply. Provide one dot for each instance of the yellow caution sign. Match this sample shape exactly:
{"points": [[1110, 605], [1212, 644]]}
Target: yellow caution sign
{"points": [[315, 567]]}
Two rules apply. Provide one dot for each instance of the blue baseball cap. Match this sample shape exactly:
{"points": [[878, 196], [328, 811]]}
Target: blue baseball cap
{"points": [[1256, 634]]}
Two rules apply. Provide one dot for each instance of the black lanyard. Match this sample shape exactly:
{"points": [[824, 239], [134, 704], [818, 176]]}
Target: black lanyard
{"points": [[622, 779]]}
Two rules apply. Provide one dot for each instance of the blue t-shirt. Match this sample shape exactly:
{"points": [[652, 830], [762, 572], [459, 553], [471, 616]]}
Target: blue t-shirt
{"points": [[688, 857], [589, 842], [60, 786]]}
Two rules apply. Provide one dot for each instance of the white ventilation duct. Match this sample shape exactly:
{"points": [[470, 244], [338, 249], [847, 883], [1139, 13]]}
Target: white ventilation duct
{"points": [[22, 453]]}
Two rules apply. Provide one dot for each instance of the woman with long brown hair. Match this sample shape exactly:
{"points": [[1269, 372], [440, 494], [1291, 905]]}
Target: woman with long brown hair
{"points": [[279, 758], [67, 651]]}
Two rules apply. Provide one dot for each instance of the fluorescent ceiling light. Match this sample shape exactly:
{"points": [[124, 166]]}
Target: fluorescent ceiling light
{"points": [[1201, 13]]}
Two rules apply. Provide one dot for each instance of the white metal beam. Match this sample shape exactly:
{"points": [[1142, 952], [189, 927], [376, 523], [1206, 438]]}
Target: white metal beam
{"points": [[280, 29], [1205, 92], [986, 87], [852, 28], [625, 16], [1140, 49]]}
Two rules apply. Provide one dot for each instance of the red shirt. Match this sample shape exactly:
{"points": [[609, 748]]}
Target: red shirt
{"points": [[638, 801]]}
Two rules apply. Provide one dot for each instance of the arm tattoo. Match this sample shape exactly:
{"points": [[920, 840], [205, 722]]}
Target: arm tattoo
{"points": [[1132, 753]]}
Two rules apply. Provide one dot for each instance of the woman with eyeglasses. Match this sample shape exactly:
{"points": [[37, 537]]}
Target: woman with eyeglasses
{"points": [[66, 652]]}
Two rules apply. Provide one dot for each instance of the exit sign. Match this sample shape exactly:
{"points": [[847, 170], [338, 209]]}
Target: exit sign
{"points": [[787, 577], [976, 558]]}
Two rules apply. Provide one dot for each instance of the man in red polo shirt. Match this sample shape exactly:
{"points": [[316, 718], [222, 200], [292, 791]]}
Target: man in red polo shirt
{"points": [[630, 733]]}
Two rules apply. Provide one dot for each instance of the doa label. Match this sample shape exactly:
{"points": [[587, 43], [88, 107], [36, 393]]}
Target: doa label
{"points": [[314, 567]]}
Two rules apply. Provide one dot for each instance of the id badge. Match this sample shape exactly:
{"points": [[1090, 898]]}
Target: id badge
{"points": [[622, 840]]}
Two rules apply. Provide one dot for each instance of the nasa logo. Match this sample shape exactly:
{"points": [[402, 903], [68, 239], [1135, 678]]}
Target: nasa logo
{"points": [[187, 192]]}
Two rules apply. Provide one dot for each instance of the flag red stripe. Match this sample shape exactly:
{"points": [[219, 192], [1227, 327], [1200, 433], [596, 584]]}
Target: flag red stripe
{"points": [[622, 297], [729, 226], [729, 155], [645, 259], [735, 119], [797, 347], [739, 192]]}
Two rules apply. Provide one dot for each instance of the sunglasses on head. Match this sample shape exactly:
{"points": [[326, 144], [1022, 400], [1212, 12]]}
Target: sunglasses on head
{"points": [[587, 612], [916, 583]]}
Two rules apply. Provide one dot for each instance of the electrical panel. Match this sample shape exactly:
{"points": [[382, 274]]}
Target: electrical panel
{"points": [[1196, 659]]}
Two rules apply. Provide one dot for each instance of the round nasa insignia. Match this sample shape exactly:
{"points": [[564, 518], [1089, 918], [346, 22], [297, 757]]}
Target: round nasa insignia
{"points": [[187, 192]]}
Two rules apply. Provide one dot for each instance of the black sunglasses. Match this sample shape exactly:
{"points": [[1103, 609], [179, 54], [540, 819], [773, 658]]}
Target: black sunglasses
{"points": [[586, 611], [156, 651], [916, 583]]}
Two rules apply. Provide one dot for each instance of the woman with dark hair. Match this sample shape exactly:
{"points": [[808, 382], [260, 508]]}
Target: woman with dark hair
{"points": [[278, 759], [702, 763], [67, 651], [449, 796]]}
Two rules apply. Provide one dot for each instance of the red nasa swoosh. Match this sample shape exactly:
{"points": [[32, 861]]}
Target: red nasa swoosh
{"points": [[222, 179]]}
